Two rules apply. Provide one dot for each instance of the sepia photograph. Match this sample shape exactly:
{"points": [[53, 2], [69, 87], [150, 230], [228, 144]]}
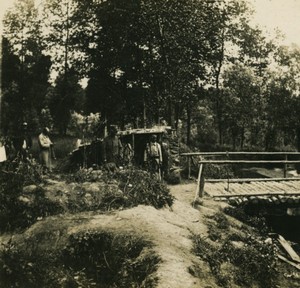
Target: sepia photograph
{"points": [[150, 143]]}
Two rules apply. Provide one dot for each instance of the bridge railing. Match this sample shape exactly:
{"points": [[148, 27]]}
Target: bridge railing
{"points": [[202, 161]]}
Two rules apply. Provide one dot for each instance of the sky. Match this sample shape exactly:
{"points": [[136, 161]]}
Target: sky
{"points": [[281, 14], [272, 14]]}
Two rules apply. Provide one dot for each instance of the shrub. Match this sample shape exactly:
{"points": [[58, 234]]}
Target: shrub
{"points": [[257, 222], [136, 187], [89, 259], [15, 212], [254, 264]]}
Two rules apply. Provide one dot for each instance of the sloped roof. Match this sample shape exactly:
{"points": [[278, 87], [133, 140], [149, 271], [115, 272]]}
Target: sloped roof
{"points": [[153, 130]]}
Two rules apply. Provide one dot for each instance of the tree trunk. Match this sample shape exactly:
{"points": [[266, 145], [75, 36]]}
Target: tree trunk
{"points": [[188, 125], [298, 138]]}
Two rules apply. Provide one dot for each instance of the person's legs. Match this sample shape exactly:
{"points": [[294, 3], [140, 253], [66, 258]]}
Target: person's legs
{"points": [[44, 158]]}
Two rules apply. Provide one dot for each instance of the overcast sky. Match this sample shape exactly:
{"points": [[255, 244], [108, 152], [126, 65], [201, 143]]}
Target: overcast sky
{"points": [[282, 14]]}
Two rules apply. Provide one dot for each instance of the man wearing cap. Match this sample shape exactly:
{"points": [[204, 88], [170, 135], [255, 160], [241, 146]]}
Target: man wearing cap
{"points": [[153, 156], [112, 147], [23, 143], [45, 149]]}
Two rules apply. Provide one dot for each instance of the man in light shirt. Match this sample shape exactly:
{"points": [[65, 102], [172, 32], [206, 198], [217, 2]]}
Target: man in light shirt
{"points": [[45, 149]]}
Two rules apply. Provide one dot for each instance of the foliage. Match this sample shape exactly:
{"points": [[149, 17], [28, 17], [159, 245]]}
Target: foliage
{"points": [[254, 262], [256, 221], [135, 187], [89, 259], [198, 62], [84, 126], [25, 66], [116, 260], [19, 211]]}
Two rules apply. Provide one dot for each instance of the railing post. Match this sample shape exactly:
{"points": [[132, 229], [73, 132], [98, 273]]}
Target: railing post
{"points": [[189, 167], [285, 167], [200, 187]]}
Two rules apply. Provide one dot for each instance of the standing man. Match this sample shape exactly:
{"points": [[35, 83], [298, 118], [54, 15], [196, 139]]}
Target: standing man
{"points": [[112, 147], [23, 143], [165, 149], [153, 156], [45, 149]]}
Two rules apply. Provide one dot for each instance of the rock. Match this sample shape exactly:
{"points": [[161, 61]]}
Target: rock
{"points": [[24, 199], [29, 189]]}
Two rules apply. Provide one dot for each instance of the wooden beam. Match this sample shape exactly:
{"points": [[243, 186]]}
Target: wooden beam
{"points": [[238, 153], [256, 194], [248, 162], [288, 248], [241, 180], [297, 266]]}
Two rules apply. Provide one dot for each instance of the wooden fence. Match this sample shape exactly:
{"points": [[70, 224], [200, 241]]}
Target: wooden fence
{"points": [[201, 161]]}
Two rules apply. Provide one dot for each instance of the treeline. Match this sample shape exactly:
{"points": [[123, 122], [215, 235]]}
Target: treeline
{"points": [[200, 65]]}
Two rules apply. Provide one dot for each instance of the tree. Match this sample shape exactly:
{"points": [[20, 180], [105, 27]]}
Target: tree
{"points": [[31, 67], [241, 101], [61, 107]]}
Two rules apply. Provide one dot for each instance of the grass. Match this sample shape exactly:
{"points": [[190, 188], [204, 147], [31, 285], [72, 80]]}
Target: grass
{"points": [[252, 264], [87, 259]]}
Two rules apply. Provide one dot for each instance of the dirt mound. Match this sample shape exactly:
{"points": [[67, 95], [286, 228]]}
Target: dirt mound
{"points": [[158, 245], [169, 231]]}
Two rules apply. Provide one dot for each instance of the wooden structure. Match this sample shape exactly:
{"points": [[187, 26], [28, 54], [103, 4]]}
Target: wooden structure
{"points": [[138, 138], [245, 190]]}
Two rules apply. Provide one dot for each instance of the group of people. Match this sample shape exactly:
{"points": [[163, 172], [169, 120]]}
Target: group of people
{"points": [[155, 158], [156, 155], [21, 146]]}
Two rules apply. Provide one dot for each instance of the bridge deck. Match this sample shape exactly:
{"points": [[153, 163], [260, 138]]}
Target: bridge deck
{"points": [[282, 187]]}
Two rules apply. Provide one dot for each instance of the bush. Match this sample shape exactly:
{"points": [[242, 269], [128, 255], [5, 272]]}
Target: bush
{"points": [[89, 259], [15, 211], [257, 222], [136, 187], [254, 263]]}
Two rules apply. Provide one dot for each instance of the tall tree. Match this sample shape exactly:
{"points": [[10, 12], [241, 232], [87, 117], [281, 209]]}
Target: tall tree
{"points": [[23, 33]]}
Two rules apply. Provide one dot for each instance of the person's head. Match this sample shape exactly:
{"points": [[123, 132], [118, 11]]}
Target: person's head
{"points": [[24, 126], [153, 138], [46, 131]]}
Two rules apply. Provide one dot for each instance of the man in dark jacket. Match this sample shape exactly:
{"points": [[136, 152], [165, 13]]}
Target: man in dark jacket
{"points": [[23, 143]]}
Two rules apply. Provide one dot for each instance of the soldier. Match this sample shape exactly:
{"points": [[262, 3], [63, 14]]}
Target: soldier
{"points": [[23, 143], [153, 156], [45, 149], [165, 149], [112, 147]]}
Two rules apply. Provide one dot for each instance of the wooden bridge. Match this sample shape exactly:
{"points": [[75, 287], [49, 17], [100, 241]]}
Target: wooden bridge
{"points": [[248, 190]]}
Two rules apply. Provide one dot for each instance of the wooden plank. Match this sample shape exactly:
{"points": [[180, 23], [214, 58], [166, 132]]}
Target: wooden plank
{"points": [[258, 194], [241, 180], [238, 153], [288, 248], [297, 266], [249, 162], [294, 186]]}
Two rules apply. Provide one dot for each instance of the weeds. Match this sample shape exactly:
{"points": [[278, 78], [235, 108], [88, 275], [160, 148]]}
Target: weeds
{"points": [[254, 263], [136, 187], [256, 222], [89, 259]]}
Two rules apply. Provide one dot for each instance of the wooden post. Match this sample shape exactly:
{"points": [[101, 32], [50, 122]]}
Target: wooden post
{"points": [[285, 167], [189, 167], [198, 194]]}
